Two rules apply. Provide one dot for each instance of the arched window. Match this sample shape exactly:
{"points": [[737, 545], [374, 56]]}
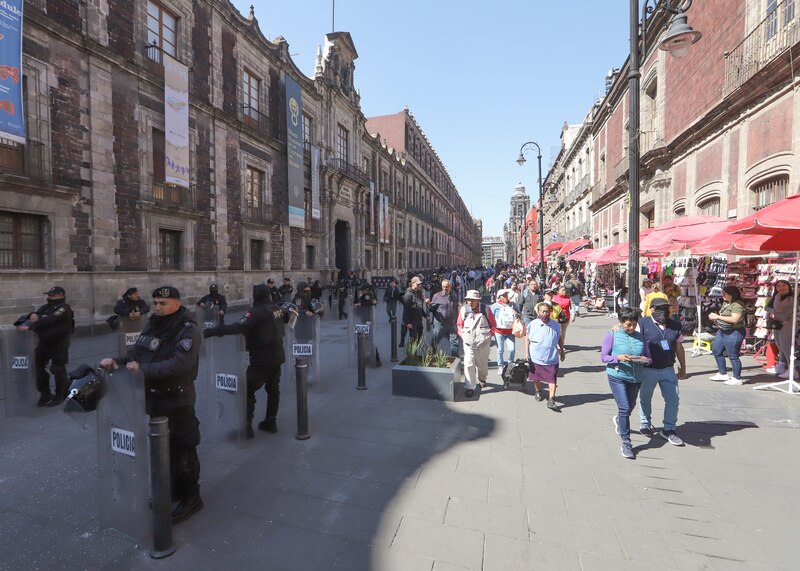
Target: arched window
{"points": [[709, 207], [770, 191]]}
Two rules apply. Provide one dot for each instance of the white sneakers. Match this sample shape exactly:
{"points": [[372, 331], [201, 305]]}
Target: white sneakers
{"points": [[719, 377], [734, 381], [771, 371]]}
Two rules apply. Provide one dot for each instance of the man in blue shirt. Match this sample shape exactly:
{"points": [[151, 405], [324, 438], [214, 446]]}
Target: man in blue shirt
{"points": [[542, 349]]}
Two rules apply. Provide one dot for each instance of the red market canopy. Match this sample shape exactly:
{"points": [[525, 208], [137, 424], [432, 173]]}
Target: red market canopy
{"points": [[773, 219], [554, 246], [681, 233], [584, 255], [572, 245]]}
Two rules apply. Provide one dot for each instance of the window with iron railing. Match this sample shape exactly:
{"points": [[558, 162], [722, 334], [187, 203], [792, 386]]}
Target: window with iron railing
{"points": [[308, 129], [162, 31], [342, 143], [251, 90], [169, 249], [254, 194], [256, 254], [21, 241], [710, 207], [770, 191]]}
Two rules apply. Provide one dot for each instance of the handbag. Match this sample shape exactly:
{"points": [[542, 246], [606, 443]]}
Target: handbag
{"points": [[774, 324], [518, 329], [723, 325], [562, 317]]}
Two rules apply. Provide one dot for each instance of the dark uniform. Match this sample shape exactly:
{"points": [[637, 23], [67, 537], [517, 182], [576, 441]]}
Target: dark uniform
{"points": [[343, 291], [391, 297], [331, 292], [168, 353], [54, 326], [366, 300], [285, 290], [214, 298], [263, 329], [126, 306], [274, 294], [413, 313]]}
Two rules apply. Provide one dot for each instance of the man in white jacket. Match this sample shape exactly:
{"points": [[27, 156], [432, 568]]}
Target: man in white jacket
{"points": [[475, 324]]}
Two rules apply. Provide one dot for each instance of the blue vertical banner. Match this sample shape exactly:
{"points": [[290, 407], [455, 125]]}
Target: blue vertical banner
{"points": [[12, 115], [294, 153], [315, 156]]}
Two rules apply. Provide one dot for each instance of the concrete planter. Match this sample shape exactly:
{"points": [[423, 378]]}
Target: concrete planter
{"points": [[427, 382]]}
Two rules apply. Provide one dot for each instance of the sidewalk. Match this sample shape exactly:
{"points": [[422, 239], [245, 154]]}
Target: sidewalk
{"points": [[385, 483]]}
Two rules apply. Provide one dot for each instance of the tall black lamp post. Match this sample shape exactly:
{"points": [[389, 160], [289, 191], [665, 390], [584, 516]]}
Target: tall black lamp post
{"points": [[520, 162], [677, 41]]}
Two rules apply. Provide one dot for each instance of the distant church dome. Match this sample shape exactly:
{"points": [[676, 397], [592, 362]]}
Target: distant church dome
{"points": [[519, 189]]}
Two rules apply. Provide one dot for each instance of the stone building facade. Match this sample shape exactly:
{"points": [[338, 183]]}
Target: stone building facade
{"points": [[518, 210], [718, 128], [84, 203]]}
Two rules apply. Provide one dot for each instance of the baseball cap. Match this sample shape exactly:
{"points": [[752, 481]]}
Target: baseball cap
{"points": [[55, 290], [658, 302], [167, 292]]}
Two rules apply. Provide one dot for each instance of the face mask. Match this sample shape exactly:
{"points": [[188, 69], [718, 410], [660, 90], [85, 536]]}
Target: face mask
{"points": [[660, 315]]}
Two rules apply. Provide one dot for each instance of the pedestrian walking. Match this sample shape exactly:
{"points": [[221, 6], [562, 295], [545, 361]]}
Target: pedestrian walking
{"points": [[414, 310], [542, 350], [474, 325], [625, 353], [53, 323], [530, 299], [664, 340], [504, 315], [263, 329], [168, 353], [444, 307], [574, 289], [730, 335], [561, 298], [391, 297]]}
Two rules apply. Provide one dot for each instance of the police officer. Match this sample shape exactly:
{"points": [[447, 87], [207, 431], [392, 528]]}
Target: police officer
{"points": [[274, 294], [131, 306], [343, 291], [214, 298], [286, 290], [391, 298], [167, 353], [366, 300], [263, 328], [414, 309], [53, 323]]}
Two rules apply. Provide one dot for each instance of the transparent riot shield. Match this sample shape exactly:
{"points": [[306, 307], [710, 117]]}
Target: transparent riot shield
{"points": [[123, 457], [128, 333], [208, 317], [222, 389], [303, 341], [19, 372], [365, 316]]}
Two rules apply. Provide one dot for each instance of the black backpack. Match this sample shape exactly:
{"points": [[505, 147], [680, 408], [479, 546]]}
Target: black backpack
{"points": [[515, 373]]}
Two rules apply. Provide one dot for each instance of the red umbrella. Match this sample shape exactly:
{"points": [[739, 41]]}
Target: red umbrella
{"points": [[572, 245], [584, 255], [681, 233], [554, 246], [775, 218]]}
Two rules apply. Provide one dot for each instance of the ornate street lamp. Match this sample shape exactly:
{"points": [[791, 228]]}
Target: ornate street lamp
{"points": [[677, 41], [520, 162]]}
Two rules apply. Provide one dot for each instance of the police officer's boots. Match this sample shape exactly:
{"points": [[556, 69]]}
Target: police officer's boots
{"points": [[268, 425]]}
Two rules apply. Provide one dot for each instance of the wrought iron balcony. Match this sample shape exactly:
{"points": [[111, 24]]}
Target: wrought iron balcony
{"points": [[154, 53], [256, 120], [776, 33], [350, 171], [621, 168], [258, 213], [172, 194]]}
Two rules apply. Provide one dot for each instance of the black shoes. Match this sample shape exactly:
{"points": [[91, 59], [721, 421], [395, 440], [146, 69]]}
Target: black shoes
{"points": [[378, 363], [44, 400], [551, 404], [538, 397], [268, 425], [469, 393], [57, 400], [186, 509]]}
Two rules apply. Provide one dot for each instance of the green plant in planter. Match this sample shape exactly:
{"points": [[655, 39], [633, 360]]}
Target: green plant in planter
{"points": [[428, 358], [441, 360], [413, 347]]}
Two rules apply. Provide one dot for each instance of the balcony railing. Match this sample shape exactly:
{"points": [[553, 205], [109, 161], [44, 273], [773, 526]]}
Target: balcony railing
{"points": [[350, 171], [257, 121], [25, 160], [258, 213], [172, 194], [776, 33], [154, 53], [621, 168], [598, 190]]}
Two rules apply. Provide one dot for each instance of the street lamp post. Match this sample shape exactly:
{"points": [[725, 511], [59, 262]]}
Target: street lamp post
{"points": [[520, 162], [678, 40]]}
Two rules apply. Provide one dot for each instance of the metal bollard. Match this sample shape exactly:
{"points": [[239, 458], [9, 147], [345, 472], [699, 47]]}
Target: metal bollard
{"points": [[301, 378], [393, 326], [362, 370], [158, 435]]}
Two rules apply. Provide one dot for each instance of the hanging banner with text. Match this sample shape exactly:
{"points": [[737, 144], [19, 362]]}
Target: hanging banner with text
{"points": [[373, 201], [176, 122], [294, 153], [315, 210], [386, 227], [12, 114]]}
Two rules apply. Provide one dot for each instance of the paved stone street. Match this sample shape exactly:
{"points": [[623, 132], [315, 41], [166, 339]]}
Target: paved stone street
{"points": [[495, 483]]}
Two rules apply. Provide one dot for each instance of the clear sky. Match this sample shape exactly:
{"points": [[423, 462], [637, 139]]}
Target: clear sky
{"points": [[481, 78]]}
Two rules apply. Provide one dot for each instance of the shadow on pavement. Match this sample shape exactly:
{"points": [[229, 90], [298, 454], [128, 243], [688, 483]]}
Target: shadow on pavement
{"points": [[567, 401], [700, 433]]}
